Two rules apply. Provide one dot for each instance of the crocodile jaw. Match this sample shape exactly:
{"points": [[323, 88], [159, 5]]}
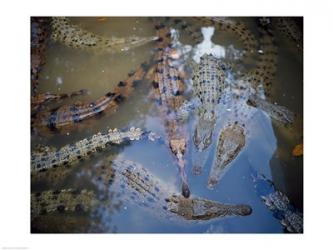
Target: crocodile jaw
{"points": [[202, 209]]}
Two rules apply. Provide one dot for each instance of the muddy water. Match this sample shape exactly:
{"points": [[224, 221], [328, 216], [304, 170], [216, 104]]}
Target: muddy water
{"points": [[268, 148]]}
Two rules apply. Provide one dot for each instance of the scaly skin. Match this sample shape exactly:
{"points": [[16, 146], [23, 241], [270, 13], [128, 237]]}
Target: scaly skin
{"points": [[232, 136], [39, 38], [208, 84], [136, 185], [47, 158], [66, 200], [168, 87], [75, 37], [68, 117], [38, 100], [290, 218], [231, 141]]}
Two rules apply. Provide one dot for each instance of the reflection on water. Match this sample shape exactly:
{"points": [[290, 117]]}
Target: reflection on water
{"points": [[267, 150]]}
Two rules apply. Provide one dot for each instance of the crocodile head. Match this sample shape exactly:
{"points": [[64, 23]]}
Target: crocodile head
{"points": [[202, 209], [203, 132], [231, 142], [178, 147]]}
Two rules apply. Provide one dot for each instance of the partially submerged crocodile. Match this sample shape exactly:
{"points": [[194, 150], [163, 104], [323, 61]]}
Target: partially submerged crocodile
{"points": [[230, 142], [68, 117], [134, 184], [39, 100], [168, 89], [208, 84], [290, 218], [45, 158], [75, 37]]}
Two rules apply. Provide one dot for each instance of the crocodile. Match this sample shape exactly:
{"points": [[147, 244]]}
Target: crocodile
{"points": [[39, 37], [39, 100], [230, 142], [132, 183], [40, 33], [277, 202], [248, 95], [69, 117], [168, 91], [45, 158], [208, 84], [236, 115], [74, 36], [240, 98]]}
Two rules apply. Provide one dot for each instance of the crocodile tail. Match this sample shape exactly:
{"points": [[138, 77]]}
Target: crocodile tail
{"points": [[164, 41], [76, 37], [239, 29], [40, 32], [164, 37], [68, 117], [39, 100]]}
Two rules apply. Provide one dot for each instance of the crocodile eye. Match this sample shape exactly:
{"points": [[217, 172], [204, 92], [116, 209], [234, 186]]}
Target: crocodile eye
{"points": [[207, 141]]}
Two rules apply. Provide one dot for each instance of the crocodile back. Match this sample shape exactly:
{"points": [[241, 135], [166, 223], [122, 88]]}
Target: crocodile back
{"points": [[209, 82]]}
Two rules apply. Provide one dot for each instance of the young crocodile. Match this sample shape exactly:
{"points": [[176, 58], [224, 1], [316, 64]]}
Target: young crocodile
{"points": [[46, 158], [68, 117], [136, 185], [168, 88], [75, 37], [290, 218], [39, 100]]}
